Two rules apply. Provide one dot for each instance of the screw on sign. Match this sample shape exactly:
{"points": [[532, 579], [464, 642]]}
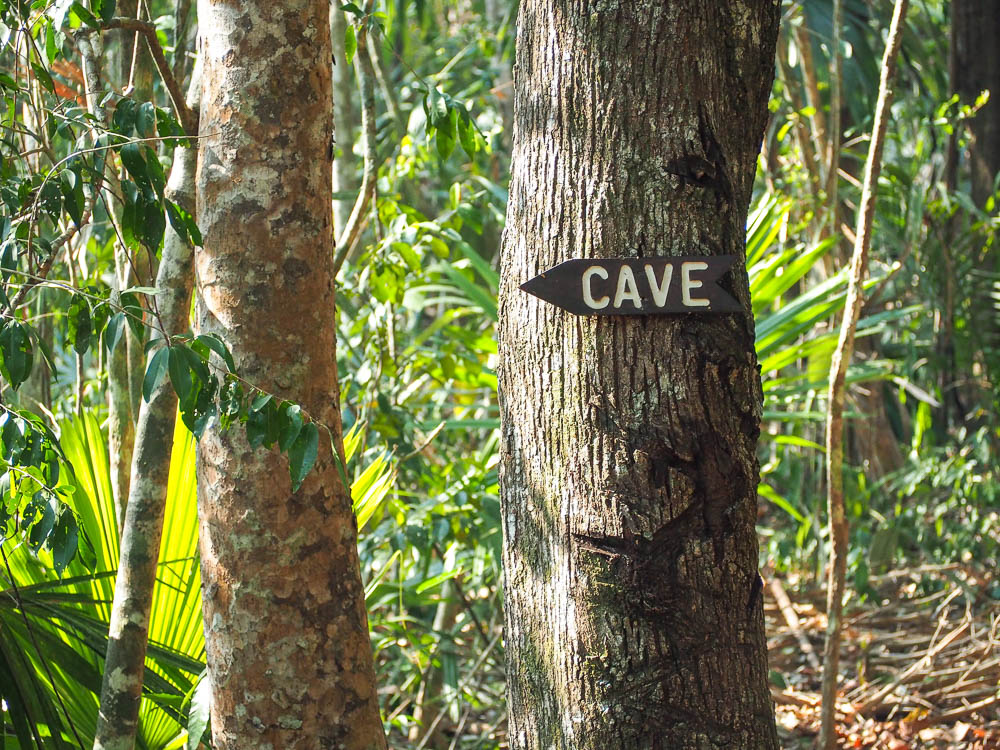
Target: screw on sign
{"points": [[637, 286]]}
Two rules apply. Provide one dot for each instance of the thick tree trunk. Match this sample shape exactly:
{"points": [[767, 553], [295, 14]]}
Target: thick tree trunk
{"points": [[121, 689], [289, 655], [628, 475], [975, 40]]}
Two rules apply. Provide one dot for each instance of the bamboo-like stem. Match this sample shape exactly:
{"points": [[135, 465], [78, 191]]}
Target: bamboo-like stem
{"points": [[389, 94], [838, 372], [344, 179], [809, 159], [833, 139], [817, 122], [366, 80]]}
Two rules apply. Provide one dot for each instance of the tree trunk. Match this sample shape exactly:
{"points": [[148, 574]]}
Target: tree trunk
{"points": [[121, 689], [286, 632], [975, 40], [633, 604]]}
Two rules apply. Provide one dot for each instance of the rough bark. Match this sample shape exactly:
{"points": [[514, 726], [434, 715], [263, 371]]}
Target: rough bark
{"points": [[121, 690], [975, 40], [628, 472], [286, 633], [836, 512]]}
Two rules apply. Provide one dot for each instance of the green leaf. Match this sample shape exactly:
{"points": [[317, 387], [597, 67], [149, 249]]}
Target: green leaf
{"points": [[133, 313], [768, 492], [292, 417], [123, 120], [155, 372], [64, 539], [81, 15], [51, 45], [199, 712], [16, 353], [438, 579], [261, 401], [467, 134], [43, 77], [436, 107], [105, 9], [263, 423], [145, 120], [73, 199], [135, 164], [183, 223], [113, 331], [217, 345], [230, 403], [180, 373], [177, 221], [350, 43], [130, 197], [154, 171], [79, 321], [197, 363], [302, 454], [152, 225], [50, 199], [447, 130], [167, 125], [198, 409]]}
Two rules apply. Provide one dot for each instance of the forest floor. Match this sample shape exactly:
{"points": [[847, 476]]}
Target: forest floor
{"points": [[923, 655]]}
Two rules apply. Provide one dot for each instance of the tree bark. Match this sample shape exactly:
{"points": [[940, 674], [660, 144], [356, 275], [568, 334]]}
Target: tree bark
{"points": [[628, 473], [121, 688], [975, 40], [286, 632]]}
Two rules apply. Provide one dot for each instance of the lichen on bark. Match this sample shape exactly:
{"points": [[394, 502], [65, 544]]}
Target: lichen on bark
{"points": [[289, 655]]}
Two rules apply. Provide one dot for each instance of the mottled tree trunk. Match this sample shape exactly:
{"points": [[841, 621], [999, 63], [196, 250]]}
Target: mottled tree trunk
{"points": [[628, 475], [121, 689], [286, 633]]}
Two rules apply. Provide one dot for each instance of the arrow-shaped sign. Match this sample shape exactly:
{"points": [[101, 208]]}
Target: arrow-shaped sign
{"points": [[637, 286]]}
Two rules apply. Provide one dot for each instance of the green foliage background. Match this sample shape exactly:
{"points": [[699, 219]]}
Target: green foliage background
{"points": [[417, 356]]}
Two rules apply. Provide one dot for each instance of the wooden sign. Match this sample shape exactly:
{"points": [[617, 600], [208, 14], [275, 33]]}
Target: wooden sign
{"points": [[637, 286]]}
